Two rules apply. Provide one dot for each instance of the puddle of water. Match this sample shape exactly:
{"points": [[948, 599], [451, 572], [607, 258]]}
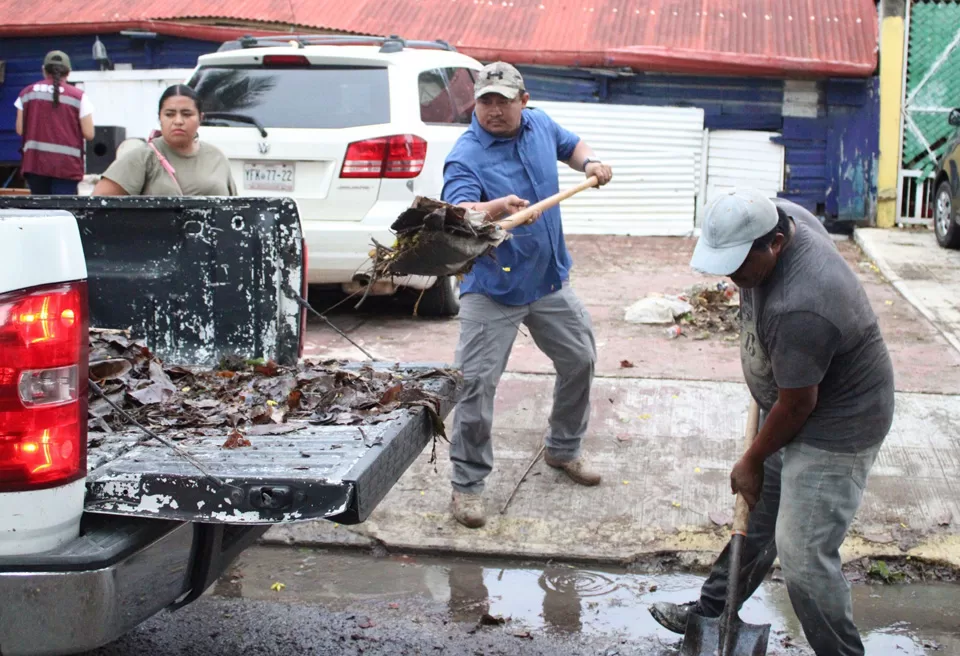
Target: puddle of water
{"points": [[589, 601]]}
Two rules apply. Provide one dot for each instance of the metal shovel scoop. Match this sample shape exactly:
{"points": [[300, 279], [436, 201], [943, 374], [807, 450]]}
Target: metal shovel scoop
{"points": [[728, 635], [433, 239]]}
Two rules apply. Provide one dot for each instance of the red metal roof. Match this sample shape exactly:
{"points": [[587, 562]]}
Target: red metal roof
{"points": [[760, 37]]}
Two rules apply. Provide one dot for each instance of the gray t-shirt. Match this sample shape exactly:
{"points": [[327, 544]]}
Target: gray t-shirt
{"points": [[204, 173], [811, 324]]}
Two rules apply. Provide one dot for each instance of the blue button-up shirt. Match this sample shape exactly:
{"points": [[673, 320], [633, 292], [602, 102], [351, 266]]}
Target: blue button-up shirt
{"points": [[481, 168]]}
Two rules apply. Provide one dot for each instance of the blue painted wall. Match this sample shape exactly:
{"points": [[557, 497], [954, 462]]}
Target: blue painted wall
{"points": [[830, 159], [24, 59]]}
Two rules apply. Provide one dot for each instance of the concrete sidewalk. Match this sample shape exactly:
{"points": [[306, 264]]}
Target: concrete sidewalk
{"points": [[664, 432], [665, 449], [926, 275]]}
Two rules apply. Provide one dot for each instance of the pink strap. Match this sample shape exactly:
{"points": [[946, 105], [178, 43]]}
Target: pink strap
{"points": [[167, 166]]}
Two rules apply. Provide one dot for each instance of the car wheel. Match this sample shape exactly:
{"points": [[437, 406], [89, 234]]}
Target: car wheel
{"points": [[441, 300], [948, 234]]}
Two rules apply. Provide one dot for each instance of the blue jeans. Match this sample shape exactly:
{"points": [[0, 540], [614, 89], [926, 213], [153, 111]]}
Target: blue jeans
{"points": [[44, 185], [809, 499]]}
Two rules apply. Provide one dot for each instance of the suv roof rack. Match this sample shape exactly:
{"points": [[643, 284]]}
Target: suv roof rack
{"points": [[392, 43]]}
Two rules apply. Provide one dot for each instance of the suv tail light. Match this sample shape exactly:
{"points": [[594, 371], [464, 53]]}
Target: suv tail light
{"points": [[399, 156], [43, 387]]}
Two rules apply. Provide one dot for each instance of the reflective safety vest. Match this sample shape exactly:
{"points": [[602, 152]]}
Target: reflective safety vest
{"points": [[52, 138]]}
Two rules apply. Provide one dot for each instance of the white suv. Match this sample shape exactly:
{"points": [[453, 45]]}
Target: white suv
{"points": [[352, 128]]}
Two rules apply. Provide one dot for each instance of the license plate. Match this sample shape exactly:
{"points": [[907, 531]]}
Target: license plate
{"points": [[272, 176]]}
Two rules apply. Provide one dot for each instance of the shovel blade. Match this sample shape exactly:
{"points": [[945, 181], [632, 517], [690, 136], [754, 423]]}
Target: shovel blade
{"points": [[702, 638]]}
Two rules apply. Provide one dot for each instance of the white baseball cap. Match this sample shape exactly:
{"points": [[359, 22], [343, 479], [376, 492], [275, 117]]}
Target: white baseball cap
{"points": [[731, 223]]}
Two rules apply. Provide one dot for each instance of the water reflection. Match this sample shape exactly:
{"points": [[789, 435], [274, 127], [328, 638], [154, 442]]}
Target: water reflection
{"points": [[569, 600], [469, 597]]}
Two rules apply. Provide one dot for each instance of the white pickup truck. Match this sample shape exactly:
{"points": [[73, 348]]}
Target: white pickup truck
{"points": [[97, 537]]}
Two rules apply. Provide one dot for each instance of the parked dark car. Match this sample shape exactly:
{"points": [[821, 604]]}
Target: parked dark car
{"points": [[946, 202]]}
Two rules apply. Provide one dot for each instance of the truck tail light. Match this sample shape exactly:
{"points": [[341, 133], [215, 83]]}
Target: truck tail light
{"points": [[399, 156], [43, 387]]}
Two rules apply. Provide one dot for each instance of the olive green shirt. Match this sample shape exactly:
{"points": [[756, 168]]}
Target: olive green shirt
{"points": [[204, 173]]}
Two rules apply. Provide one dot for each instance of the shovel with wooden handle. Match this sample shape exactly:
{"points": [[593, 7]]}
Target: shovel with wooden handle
{"points": [[728, 635], [524, 215]]}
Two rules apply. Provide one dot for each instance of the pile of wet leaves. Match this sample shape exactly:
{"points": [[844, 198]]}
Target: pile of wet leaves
{"points": [[715, 310], [436, 239], [243, 397]]}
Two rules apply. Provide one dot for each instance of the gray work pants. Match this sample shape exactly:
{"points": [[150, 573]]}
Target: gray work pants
{"points": [[808, 501], [561, 327]]}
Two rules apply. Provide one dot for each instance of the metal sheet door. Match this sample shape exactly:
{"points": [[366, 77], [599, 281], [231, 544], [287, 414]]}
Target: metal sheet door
{"points": [[655, 153]]}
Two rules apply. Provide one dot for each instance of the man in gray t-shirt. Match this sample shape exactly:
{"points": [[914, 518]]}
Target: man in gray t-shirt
{"points": [[815, 362]]}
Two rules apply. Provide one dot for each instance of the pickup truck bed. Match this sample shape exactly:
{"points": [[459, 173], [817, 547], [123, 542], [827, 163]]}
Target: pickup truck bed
{"points": [[203, 278], [334, 472], [198, 279]]}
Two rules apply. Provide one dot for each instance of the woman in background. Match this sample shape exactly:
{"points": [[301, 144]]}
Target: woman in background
{"points": [[175, 163]]}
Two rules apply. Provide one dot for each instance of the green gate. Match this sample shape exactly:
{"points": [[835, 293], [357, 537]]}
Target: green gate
{"points": [[933, 82]]}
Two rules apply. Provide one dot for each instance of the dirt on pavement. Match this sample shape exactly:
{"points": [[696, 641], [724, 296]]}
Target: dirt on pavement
{"points": [[612, 272]]}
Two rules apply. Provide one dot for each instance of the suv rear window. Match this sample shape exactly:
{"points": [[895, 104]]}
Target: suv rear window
{"points": [[314, 97]]}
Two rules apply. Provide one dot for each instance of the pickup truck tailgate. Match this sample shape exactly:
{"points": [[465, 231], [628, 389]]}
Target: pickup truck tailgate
{"points": [[196, 278], [334, 472], [200, 280]]}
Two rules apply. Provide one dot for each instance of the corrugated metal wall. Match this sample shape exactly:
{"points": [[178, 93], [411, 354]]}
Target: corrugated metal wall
{"points": [[655, 152], [129, 98], [808, 115], [739, 158], [24, 59]]}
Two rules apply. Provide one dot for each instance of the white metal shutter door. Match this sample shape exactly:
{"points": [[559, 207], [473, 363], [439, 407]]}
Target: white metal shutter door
{"points": [[655, 153], [743, 158], [128, 98]]}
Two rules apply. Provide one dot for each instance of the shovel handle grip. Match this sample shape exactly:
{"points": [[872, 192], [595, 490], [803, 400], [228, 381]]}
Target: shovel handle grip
{"points": [[741, 513], [521, 217]]}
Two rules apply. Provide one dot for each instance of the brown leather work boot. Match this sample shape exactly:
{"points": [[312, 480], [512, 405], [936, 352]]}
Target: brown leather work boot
{"points": [[468, 509], [577, 469]]}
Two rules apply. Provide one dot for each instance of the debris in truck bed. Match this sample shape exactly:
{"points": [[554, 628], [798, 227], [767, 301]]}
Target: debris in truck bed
{"points": [[242, 398]]}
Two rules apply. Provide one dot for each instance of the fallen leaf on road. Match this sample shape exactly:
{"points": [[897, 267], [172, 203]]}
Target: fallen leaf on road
{"points": [[945, 519], [653, 588], [676, 504], [626, 364], [393, 606], [277, 587], [888, 302], [721, 517], [366, 623], [623, 438], [525, 635]]}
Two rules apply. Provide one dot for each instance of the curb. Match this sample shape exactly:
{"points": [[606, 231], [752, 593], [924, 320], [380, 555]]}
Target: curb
{"points": [[901, 286]]}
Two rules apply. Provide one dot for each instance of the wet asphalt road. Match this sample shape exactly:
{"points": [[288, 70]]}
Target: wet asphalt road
{"points": [[280, 601], [215, 626]]}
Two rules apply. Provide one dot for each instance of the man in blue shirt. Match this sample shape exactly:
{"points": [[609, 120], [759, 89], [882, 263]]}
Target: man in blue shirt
{"points": [[503, 162]]}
